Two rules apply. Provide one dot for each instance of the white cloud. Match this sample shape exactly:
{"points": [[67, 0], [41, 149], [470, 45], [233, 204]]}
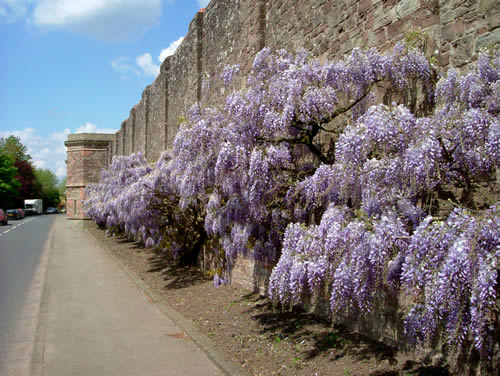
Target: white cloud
{"points": [[50, 152], [92, 128], [170, 49], [108, 20], [25, 135], [122, 64], [14, 10], [46, 152], [203, 3], [145, 62]]}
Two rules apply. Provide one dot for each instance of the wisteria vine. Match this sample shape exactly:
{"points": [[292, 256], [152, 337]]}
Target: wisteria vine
{"points": [[401, 200]]}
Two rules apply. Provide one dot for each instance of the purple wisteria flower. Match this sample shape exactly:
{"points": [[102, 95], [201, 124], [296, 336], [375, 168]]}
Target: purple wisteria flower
{"points": [[253, 177]]}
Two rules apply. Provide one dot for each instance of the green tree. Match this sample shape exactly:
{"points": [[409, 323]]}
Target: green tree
{"points": [[47, 179], [51, 198], [49, 186], [61, 187], [29, 188], [13, 147], [8, 184]]}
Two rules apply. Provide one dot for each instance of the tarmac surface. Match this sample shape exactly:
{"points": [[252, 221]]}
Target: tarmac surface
{"points": [[96, 319], [23, 264]]}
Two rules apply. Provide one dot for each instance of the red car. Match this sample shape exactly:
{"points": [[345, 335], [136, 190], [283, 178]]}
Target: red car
{"points": [[3, 218]]}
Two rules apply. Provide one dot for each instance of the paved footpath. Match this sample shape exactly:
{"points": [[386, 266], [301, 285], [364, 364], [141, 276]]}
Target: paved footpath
{"points": [[94, 320]]}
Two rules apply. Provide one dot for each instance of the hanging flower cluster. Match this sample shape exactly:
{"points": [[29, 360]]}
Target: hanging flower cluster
{"points": [[356, 219]]}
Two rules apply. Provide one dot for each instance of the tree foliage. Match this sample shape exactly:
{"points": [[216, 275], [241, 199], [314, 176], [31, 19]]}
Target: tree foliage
{"points": [[49, 187], [30, 188], [61, 187], [13, 147], [33, 183], [359, 218], [8, 184]]}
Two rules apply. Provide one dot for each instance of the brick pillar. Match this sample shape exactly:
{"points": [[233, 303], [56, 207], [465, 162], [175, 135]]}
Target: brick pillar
{"points": [[86, 157], [145, 97], [165, 67], [199, 51], [131, 120]]}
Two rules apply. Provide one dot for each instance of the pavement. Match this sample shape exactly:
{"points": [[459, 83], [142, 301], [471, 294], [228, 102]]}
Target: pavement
{"points": [[95, 318]]}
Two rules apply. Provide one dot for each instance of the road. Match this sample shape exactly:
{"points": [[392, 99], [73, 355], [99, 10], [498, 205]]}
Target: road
{"points": [[68, 308], [21, 247]]}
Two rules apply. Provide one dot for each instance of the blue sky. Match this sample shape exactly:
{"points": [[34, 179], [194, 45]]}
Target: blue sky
{"points": [[70, 66]]}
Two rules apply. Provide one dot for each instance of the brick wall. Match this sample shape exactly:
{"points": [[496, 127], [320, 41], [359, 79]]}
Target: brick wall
{"points": [[141, 119], [87, 155], [156, 135], [232, 31], [184, 85]]}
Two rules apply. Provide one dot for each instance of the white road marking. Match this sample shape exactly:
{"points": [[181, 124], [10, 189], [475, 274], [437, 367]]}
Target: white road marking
{"points": [[19, 224]]}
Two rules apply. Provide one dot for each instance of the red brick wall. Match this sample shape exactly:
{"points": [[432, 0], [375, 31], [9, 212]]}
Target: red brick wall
{"points": [[87, 155], [157, 107], [233, 31]]}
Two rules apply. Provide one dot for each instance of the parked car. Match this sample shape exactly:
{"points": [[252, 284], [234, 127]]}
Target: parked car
{"points": [[13, 214], [51, 210], [21, 212], [4, 220]]}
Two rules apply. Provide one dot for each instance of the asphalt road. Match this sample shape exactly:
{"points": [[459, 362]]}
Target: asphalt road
{"points": [[21, 245]]}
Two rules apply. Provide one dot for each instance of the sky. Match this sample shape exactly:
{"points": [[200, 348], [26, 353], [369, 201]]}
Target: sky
{"points": [[73, 66]]}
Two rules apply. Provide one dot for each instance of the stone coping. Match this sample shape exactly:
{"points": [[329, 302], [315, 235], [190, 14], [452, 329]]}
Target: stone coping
{"points": [[91, 137]]}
